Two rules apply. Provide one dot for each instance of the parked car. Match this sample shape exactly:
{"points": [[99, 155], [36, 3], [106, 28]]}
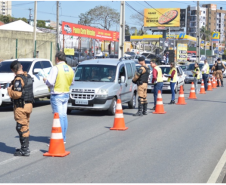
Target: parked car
{"points": [[149, 56], [130, 54], [33, 66], [0, 94], [99, 83], [113, 56], [189, 75], [183, 67], [166, 85]]}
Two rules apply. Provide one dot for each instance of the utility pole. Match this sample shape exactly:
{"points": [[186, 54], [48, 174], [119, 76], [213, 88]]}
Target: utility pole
{"points": [[57, 24], [30, 15], [122, 30], [198, 36], [34, 31]]}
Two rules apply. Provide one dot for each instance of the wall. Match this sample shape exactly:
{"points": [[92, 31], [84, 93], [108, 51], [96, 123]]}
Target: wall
{"points": [[25, 45]]}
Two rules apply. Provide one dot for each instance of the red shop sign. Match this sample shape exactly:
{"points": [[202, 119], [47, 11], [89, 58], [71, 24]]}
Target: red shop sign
{"points": [[88, 31]]}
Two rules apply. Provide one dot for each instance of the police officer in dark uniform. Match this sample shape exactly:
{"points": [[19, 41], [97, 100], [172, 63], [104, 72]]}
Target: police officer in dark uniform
{"points": [[21, 92], [219, 66], [141, 79]]}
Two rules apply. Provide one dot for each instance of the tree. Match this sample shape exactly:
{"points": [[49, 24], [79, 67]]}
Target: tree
{"points": [[138, 18], [101, 16], [127, 30], [204, 33], [41, 24], [7, 19], [23, 19]]}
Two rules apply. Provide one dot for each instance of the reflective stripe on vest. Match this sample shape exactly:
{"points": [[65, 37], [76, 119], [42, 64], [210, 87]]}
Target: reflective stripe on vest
{"points": [[208, 69], [198, 75], [159, 76], [64, 78], [175, 75]]}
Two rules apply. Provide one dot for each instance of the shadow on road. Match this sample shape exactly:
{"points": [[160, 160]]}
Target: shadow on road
{"points": [[209, 101], [42, 139], [6, 149]]}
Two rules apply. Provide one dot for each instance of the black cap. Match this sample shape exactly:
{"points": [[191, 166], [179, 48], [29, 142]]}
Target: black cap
{"points": [[15, 62], [218, 59], [141, 59]]}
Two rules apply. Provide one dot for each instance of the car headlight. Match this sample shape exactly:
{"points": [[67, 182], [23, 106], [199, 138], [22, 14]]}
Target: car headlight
{"points": [[102, 93]]}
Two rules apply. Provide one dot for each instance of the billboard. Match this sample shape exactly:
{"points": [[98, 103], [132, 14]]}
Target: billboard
{"points": [[213, 7], [181, 52], [88, 31], [162, 17], [215, 36], [69, 51]]}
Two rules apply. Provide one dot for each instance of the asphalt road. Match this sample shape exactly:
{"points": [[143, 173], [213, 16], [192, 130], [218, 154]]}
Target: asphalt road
{"points": [[182, 146]]}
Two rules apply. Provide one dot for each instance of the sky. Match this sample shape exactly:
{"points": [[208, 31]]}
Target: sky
{"points": [[70, 10]]}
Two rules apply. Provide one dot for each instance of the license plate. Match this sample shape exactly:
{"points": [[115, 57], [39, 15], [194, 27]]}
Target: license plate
{"points": [[81, 102]]}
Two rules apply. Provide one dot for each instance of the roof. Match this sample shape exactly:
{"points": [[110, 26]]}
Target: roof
{"points": [[18, 26], [104, 61], [25, 59]]}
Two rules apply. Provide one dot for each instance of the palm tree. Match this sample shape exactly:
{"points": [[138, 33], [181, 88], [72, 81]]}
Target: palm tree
{"points": [[204, 35]]}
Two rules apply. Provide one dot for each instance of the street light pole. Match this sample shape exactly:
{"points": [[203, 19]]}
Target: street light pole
{"points": [[57, 24], [198, 36], [122, 30], [34, 30]]}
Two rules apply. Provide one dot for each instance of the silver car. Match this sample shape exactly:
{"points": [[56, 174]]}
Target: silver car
{"points": [[99, 83]]}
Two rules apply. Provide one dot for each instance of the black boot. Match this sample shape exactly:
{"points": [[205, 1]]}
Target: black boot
{"points": [[172, 102], [145, 109], [153, 108], [222, 85], [218, 83], [24, 150], [140, 107]]}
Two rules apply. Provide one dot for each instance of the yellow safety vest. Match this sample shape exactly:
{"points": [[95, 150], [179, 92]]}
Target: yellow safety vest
{"points": [[64, 78], [159, 76], [208, 69], [198, 75], [174, 77]]}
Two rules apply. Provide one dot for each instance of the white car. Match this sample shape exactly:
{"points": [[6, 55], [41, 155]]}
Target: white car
{"points": [[67, 28], [166, 84], [0, 95], [33, 66]]}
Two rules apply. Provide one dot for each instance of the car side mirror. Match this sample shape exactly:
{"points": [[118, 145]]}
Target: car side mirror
{"points": [[37, 70], [122, 79]]}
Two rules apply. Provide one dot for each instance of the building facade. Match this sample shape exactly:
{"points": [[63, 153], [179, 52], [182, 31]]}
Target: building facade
{"points": [[211, 18], [6, 8]]}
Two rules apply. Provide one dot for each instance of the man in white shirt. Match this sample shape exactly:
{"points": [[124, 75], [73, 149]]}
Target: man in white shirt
{"points": [[205, 73]]}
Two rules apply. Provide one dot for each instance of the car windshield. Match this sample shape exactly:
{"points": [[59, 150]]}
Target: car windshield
{"points": [[5, 66], [95, 73], [192, 67], [183, 67], [165, 70]]}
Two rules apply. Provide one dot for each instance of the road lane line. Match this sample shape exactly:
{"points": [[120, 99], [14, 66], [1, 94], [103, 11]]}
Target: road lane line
{"points": [[15, 158], [217, 171]]}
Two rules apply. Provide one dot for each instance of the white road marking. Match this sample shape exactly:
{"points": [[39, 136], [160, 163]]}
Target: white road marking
{"points": [[217, 171], [15, 158]]}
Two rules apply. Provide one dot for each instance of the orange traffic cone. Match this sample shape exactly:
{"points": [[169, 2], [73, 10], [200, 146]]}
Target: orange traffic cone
{"points": [[56, 145], [214, 83], [159, 109], [202, 90], [119, 122], [181, 99], [192, 92], [209, 86]]}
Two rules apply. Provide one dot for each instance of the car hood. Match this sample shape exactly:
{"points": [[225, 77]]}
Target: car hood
{"points": [[6, 77], [91, 85]]}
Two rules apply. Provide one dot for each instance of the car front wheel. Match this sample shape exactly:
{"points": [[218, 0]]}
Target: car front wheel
{"points": [[112, 108]]}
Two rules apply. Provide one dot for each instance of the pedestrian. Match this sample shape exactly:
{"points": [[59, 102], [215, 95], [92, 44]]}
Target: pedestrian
{"points": [[196, 75], [205, 73], [167, 58], [219, 67], [157, 80], [59, 81], [141, 79], [21, 92], [172, 78]]}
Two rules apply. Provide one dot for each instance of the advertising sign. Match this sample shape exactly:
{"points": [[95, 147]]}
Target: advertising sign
{"points": [[162, 17], [215, 36], [88, 31], [69, 51], [213, 7], [181, 52]]}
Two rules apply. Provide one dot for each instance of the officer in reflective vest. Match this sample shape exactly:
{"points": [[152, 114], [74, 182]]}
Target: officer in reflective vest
{"points": [[219, 66], [141, 79], [21, 92], [157, 80], [205, 73], [196, 75], [59, 81], [172, 78]]}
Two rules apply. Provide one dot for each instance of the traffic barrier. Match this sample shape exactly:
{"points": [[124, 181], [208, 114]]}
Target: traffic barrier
{"points": [[181, 99], [56, 145], [192, 92], [209, 86], [159, 108], [202, 89], [119, 122]]}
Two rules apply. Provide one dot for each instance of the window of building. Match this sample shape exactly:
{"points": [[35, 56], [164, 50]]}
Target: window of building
{"points": [[204, 12]]}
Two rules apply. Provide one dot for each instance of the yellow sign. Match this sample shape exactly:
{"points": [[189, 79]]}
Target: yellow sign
{"points": [[69, 51], [162, 17], [215, 35], [182, 52]]}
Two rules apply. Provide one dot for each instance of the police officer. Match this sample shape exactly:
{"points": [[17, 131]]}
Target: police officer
{"points": [[214, 69], [21, 92], [219, 66], [141, 79]]}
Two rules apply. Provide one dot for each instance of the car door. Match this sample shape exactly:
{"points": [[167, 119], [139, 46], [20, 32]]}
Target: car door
{"points": [[122, 91], [129, 83], [38, 80]]}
